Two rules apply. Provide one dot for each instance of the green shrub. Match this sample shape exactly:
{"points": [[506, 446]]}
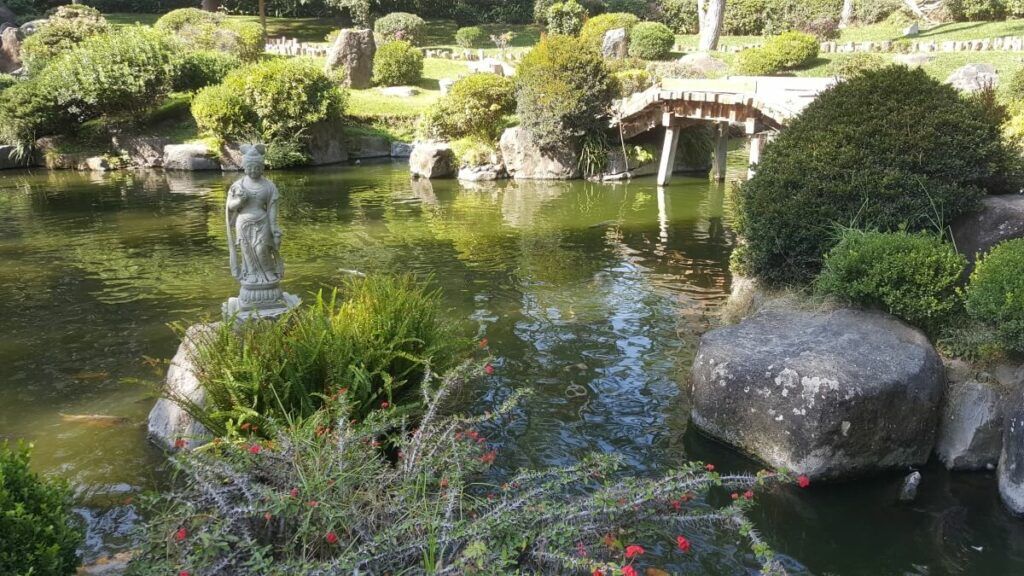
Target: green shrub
{"points": [[66, 27], [324, 496], [1015, 86], [540, 10], [272, 100], [744, 17], [28, 110], [474, 151], [563, 90], [975, 10], [995, 294], [202, 30], [885, 149], [849, 66], [1015, 8], [681, 15], [374, 340], [6, 81], [593, 31], [783, 52], [913, 276], [401, 26], [202, 68], [818, 17], [470, 37], [629, 82], [397, 63], [114, 73], [651, 41], [875, 11], [39, 533], [476, 105], [566, 18]]}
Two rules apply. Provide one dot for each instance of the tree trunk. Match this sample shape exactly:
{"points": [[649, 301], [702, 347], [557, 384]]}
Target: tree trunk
{"points": [[263, 19], [846, 16], [711, 14], [211, 5]]}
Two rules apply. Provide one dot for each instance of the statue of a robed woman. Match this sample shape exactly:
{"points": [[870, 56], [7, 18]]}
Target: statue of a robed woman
{"points": [[254, 242]]}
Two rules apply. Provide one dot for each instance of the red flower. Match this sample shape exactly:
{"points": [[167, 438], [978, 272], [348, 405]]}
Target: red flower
{"points": [[710, 467], [682, 543], [483, 342], [803, 481], [332, 538], [267, 516], [597, 572], [294, 492], [180, 443], [183, 573], [633, 550], [488, 458], [748, 495], [384, 404], [677, 504], [734, 496], [628, 571], [255, 449], [181, 534], [488, 369], [444, 483], [313, 503]]}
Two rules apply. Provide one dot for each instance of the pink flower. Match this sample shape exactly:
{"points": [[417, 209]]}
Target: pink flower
{"points": [[255, 449], [633, 550], [332, 538], [710, 467], [267, 516], [803, 481], [628, 571], [181, 534], [384, 404], [488, 369], [183, 573], [294, 493], [682, 543], [483, 342], [180, 443], [313, 503], [734, 496], [748, 495], [488, 458]]}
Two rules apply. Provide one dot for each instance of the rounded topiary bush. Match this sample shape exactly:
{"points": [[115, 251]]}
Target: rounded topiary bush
{"points": [[273, 100], [593, 31], [476, 106], [39, 533], [202, 68], [202, 30], [886, 149], [651, 41], [397, 63], [65, 28], [563, 90], [913, 276], [785, 51], [566, 18], [470, 36], [854, 64], [401, 26], [995, 294]]}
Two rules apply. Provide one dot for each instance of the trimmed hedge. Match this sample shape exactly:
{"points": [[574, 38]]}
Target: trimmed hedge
{"points": [[912, 276], [39, 532], [849, 66], [401, 26], [995, 294], [66, 28], [397, 63], [201, 30], [783, 52], [476, 106], [563, 90], [202, 68], [566, 18], [886, 149], [273, 100], [651, 41], [469, 37], [593, 31]]}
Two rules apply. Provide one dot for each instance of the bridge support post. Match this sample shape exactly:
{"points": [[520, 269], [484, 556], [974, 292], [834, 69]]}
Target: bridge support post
{"points": [[757, 142], [721, 151], [668, 151]]}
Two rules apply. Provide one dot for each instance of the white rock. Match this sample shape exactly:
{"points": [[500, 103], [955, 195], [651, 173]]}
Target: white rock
{"points": [[169, 424]]}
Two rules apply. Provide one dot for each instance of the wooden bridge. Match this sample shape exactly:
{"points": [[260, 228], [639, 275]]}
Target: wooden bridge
{"points": [[762, 105]]}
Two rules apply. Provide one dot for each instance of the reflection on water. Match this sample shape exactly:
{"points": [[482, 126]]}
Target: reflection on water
{"points": [[592, 295]]}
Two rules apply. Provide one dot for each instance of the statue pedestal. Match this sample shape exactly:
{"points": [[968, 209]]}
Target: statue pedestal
{"points": [[243, 311]]}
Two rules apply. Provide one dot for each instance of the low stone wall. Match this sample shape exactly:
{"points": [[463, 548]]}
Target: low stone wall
{"points": [[904, 46], [292, 47]]}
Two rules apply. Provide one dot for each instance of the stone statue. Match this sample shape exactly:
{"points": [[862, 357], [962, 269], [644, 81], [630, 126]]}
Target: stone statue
{"points": [[254, 243]]}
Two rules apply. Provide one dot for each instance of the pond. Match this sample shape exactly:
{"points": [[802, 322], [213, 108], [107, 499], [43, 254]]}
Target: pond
{"points": [[592, 295]]}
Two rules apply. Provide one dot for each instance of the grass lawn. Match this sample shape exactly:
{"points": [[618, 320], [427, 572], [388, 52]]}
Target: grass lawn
{"points": [[371, 103], [305, 29]]}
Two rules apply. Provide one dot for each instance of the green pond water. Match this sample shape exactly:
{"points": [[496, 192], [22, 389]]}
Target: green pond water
{"points": [[593, 295]]}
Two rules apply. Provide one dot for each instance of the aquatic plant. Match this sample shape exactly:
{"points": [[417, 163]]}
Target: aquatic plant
{"points": [[324, 496]]}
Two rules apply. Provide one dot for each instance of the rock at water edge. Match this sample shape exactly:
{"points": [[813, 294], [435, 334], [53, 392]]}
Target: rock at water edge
{"points": [[432, 161], [169, 425], [971, 428], [524, 160], [191, 157]]}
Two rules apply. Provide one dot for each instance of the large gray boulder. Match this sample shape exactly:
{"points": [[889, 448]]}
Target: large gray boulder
{"points": [[190, 157], [1000, 218], [10, 49], [369, 146], [432, 161], [1011, 459], [353, 52], [142, 151], [483, 173], [169, 425], [832, 395], [525, 161], [326, 145], [974, 78], [971, 429], [615, 43]]}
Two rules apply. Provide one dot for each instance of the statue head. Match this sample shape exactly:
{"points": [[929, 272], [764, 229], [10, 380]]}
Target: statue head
{"points": [[252, 160]]}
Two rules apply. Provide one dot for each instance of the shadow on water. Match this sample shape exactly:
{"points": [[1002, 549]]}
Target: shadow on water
{"points": [[593, 295]]}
